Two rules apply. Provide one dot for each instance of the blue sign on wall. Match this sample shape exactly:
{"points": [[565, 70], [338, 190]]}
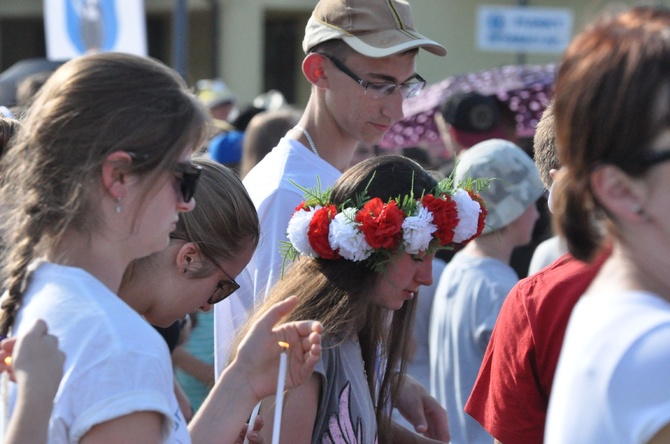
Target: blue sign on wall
{"points": [[523, 29]]}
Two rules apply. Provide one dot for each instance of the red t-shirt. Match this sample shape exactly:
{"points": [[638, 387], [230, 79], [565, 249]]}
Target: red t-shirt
{"points": [[511, 394]]}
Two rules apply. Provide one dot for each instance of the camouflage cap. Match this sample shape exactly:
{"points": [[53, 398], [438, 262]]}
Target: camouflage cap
{"points": [[516, 183]]}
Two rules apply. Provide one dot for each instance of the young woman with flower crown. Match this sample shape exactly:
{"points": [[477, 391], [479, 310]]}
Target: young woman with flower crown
{"points": [[367, 247]]}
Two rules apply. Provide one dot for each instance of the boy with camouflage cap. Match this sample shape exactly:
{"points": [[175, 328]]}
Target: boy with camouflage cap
{"points": [[476, 281]]}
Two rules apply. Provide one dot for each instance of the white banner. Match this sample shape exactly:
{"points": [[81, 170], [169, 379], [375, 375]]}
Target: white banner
{"points": [[77, 27], [523, 29]]}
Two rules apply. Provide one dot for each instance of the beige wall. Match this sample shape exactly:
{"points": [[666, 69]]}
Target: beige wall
{"points": [[240, 58]]}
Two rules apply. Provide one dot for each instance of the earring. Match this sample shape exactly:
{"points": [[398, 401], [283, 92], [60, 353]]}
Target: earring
{"points": [[118, 205]]}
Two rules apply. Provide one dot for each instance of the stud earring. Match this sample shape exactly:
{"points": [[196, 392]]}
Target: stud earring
{"points": [[118, 208]]}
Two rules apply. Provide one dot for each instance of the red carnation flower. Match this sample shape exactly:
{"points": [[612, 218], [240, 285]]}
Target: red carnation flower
{"points": [[318, 232], [381, 224], [445, 216]]}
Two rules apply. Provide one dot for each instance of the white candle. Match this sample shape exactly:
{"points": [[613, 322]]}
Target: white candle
{"points": [[252, 420], [281, 380]]}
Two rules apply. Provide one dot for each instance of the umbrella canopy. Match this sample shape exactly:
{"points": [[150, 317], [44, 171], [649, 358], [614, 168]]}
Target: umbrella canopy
{"points": [[525, 89]]}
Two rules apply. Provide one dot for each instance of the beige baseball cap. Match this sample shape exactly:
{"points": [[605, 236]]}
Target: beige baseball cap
{"points": [[373, 28]]}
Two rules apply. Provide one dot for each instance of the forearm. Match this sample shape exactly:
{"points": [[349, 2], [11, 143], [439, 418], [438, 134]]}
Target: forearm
{"points": [[30, 419], [225, 410]]}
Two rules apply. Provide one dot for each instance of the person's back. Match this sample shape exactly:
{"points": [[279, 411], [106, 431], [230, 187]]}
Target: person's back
{"points": [[359, 81], [476, 281], [511, 394]]}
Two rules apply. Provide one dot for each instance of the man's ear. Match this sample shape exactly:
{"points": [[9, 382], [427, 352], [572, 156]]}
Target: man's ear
{"points": [[188, 257], [621, 195], [114, 171], [314, 70]]}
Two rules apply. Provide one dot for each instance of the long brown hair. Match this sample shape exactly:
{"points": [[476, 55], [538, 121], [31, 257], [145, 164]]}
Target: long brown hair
{"points": [[611, 101], [90, 107], [339, 293]]}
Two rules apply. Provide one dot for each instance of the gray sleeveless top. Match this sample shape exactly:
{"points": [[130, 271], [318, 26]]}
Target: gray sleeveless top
{"points": [[346, 414]]}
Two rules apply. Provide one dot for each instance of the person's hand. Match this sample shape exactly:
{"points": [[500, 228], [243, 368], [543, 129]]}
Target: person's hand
{"points": [[37, 362], [422, 410], [253, 437], [259, 351], [6, 350]]}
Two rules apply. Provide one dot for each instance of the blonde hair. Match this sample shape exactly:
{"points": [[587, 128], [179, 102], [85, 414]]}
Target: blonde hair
{"points": [[90, 107]]}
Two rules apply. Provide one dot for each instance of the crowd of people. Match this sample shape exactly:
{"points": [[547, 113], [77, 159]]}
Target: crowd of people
{"points": [[168, 258]]}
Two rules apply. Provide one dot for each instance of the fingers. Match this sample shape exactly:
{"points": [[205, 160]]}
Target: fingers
{"points": [[279, 310], [39, 328]]}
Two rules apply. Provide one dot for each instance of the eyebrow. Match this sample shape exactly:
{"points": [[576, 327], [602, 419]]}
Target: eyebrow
{"points": [[388, 78]]}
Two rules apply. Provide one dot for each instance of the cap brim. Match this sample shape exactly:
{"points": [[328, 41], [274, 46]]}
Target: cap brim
{"points": [[390, 42]]}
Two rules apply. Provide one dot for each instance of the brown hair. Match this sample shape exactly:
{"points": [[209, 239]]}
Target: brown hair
{"points": [[8, 128], [339, 293], [611, 101], [90, 107], [545, 151], [262, 134]]}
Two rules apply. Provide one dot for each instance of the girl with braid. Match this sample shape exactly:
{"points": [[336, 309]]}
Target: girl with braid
{"points": [[97, 177]]}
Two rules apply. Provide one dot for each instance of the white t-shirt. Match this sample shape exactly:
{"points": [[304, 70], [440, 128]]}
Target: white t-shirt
{"points": [[612, 383], [116, 363], [275, 197]]}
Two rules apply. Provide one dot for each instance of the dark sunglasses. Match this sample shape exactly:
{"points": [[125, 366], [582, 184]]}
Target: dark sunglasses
{"points": [[223, 288], [651, 158], [188, 180]]}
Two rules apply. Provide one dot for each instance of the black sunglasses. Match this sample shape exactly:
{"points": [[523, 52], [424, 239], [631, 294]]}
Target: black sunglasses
{"points": [[651, 158], [223, 288], [188, 181]]}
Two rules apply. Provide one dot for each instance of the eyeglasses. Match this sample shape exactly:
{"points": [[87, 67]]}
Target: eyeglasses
{"points": [[651, 158], [188, 181], [380, 90], [223, 288]]}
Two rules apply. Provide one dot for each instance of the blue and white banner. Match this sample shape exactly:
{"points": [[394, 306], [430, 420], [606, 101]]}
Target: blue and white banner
{"points": [[77, 27], [523, 29]]}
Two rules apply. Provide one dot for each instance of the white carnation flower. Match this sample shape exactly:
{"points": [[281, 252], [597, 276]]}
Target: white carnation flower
{"points": [[297, 230], [468, 215], [344, 234], [417, 231]]}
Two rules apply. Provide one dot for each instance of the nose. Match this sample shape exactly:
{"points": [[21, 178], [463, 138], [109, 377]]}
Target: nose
{"points": [[393, 106], [185, 207], [424, 273]]}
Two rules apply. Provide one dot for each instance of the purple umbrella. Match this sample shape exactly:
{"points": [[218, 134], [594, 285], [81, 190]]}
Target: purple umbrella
{"points": [[525, 89]]}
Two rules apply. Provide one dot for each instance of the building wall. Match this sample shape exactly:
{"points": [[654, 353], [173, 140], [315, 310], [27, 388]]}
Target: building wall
{"points": [[227, 37]]}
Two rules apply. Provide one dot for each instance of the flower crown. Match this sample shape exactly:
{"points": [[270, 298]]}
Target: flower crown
{"points": [[368, 229]]}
